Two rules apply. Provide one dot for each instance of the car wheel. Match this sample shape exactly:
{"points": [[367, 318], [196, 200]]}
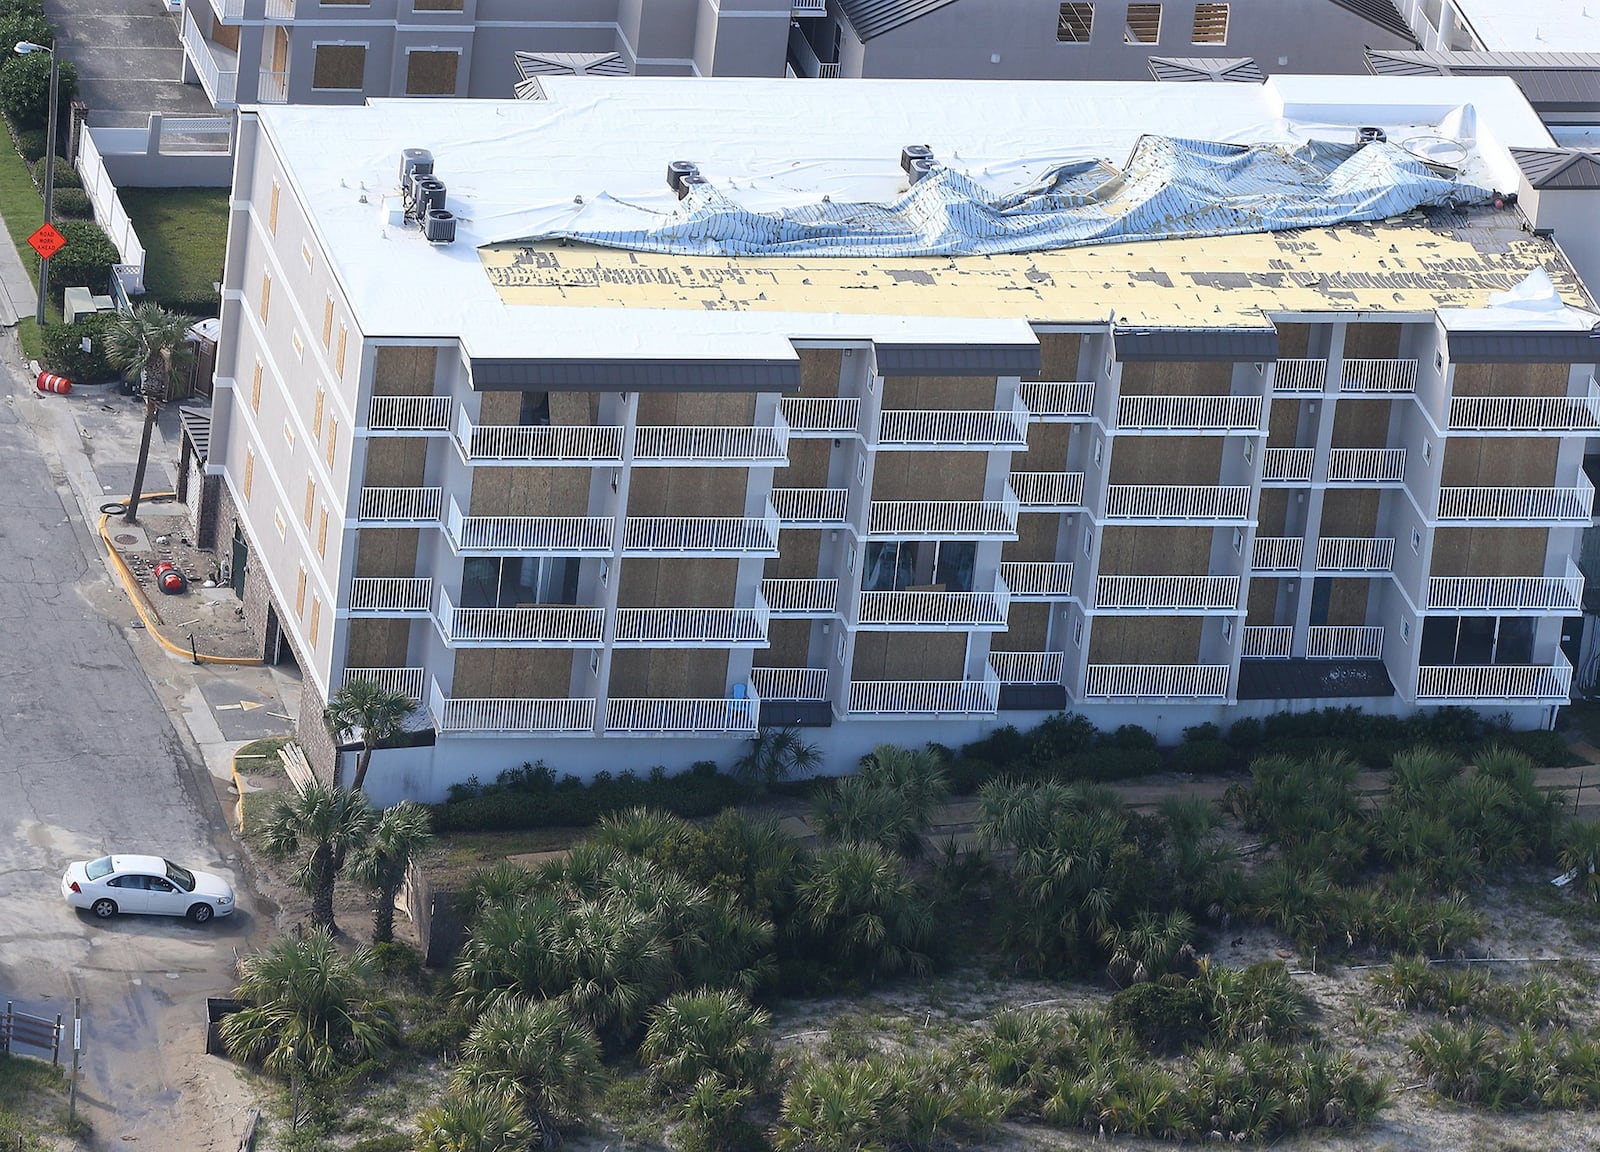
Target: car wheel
{"points": [[104, 909], [200, 913]]}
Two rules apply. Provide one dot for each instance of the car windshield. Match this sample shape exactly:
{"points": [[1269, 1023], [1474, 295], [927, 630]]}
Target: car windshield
{"points": [[95, 869], [182, 877]]}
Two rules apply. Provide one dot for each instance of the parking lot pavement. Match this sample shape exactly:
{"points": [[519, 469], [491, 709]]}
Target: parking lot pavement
{"points": [[129, 58], [91, 762]]}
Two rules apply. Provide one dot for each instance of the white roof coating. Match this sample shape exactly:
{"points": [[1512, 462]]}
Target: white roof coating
{"points": [[517, 168], [1533, 25]]}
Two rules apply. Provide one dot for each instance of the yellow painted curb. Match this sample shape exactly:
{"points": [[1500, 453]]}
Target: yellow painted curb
{"points": [[142, 606]]}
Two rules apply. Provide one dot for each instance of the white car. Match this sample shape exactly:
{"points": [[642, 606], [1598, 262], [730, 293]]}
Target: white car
{"points": [[147, 885]]}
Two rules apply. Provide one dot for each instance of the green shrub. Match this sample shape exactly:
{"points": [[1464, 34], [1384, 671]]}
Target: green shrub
{"points": [[967, 774], [30, 142], [63, 350], [1112, 763], [388, 1142], [66, 175], [86, 259], [532, 797], [25, 89], [1163, 1017], [1131, 736], [72, 204], [1202, 757]]}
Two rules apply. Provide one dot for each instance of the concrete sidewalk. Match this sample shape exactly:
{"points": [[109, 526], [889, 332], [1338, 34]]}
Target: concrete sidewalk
{"points": [[18, 294]]}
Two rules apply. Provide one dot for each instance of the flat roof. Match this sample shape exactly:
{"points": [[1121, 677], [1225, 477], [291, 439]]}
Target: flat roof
{"points": [[521, 168], [1533, 25]]}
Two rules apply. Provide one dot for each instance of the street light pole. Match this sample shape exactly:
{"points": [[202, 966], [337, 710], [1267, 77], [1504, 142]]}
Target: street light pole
{"points": [[23, 49]]}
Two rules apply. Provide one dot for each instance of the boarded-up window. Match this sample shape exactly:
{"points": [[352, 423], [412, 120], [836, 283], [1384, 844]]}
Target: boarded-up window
{"points": [[1144, 24], [249, 471], [266, 295], [255, 387], [431, 73], [437, 5], [311, 500], [1076, 23], [300, 592], [339, 66], [1210, 23], [327, 322], [316, 415], [333, 438], [322, 531], [316, 617], [338, 359], [272, 210]]}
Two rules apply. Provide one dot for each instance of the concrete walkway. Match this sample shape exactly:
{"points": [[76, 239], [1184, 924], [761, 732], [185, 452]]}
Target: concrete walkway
{"points": [[18, 296], [129, 59]]}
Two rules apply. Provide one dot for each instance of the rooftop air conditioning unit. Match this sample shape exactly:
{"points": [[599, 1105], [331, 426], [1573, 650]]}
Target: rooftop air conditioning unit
{"points": [[427, 195], [439, 226], [920, 167], [912, 153], [415, 160], [693, 180], [1370, 135], [677, 170]]}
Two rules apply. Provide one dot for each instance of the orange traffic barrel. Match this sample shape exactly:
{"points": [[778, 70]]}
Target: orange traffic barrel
{"points": [[169, 578], [50, 382]]}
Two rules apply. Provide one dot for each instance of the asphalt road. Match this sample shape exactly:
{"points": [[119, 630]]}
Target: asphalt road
{"points": [[90, 762]]}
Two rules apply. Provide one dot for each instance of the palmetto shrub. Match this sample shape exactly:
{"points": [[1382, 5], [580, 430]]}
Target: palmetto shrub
{"points": [[1473, 1063], [1309, 809], [859, 914], [475, 1120], [536, 1053], [707, 1033], [1414, 984]]}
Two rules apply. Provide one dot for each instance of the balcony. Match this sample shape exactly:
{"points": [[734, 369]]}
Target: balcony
{"points": [[550, 445], [1048, 491], [1026, 667], [940, 430], [720, 716], [1344, 642], [1157, 681], [529, 535], [702, 535], [391, 596], [539, 624], [811, 507], [1164, 503], [407, 681], [1366, 465], [1355, 554], [1035, 580], [802, 58], [1064, 402], [707, 627], [1526, 415], [686, 447], [801, 600], [400, 507], [945, 519], [937, 611], [1189, 415], [1164, 594], [1266, 642], [927, 697], [1525, 682], [1499, 594], [1287, 465], [1276, 554], [218, 67], [808, 684], [228, 11], [1525, 506], [822, 417], [1302, 377], [280, 9], [808, 7], [551, 717], [272, 87], [1378, 377], [408, 415]]}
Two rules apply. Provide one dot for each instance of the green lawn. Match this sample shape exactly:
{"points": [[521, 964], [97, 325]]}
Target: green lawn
{"points": [[23, 209], [185, 235]]}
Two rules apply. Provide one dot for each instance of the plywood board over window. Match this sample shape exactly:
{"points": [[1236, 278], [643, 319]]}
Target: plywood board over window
{"points": [[431, 73], [1076, 23], [1144, 24], [1210, 23], [438, 5], [339, 66]]}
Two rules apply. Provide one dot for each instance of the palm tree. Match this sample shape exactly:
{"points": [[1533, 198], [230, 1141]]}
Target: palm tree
{"points": [[862, 913], [536, 1053], [321, 825], [777, 754], [154, 343], [713, 1032], [376, 712], [381, 864], [476, 1120], [855, 811], [310, 1010]]}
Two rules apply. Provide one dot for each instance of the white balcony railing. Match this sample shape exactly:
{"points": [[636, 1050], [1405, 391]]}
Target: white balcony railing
{"points": [[1366, 465], [1496, 681], [1167, 593], [547, 444], [228, 11], [1300, 377], [955, 519], [1521, 415], [533, 624], [1052, 491], [513, 714], [1266, 642], [280, 9], [671, 627], [811, 507], [550, 535], [1037, 580], [272, 87], [1058, 402], [1379, 377], [1287, 465], [211, 62], [809, 684], [1344, 642], [1190, 413], [1176, 502], [801, 598], [411, 506], [808, 7], [702, 535], [713, 445], [927, 697], [1355, 554], [718, 716], [1508, 593], [407, 681], [1527, 505], [1276, 554], [943, 430], [1026, 667], [939, 610], [391, 596], [1182, 681], [408, 415], [822, 417]]}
